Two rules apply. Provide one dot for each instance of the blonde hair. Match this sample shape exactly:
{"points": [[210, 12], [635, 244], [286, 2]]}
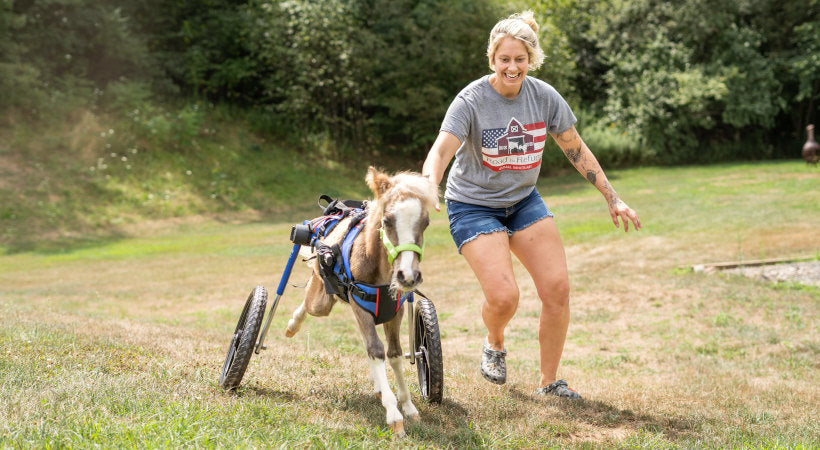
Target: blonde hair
{"points": [[522, 27]]}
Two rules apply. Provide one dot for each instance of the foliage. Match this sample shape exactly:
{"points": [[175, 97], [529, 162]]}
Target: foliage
{"points": [[573, 63], [315, 55], [613, 146], [804, 65], [426, 52], [66, 51], [740, 82], [18, 77], [681, 78]]}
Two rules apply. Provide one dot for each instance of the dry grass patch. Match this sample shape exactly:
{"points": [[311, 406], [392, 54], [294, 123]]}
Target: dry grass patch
{"points": [[120, 345]]}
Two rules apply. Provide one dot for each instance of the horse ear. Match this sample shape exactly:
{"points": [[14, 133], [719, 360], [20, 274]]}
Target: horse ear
{"points": [[378, 181]]}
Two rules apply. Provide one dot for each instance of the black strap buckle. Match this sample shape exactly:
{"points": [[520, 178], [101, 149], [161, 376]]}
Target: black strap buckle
{"points": [[338, 206]]}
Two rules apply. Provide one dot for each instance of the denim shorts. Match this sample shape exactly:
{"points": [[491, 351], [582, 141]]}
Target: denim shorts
{"points": [[468, 221]]}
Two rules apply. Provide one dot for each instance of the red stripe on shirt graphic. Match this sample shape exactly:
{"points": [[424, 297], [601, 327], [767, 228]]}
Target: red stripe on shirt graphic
{"points": [[516, 147]]}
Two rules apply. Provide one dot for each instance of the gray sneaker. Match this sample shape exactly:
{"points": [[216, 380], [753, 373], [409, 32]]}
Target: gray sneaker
{"points": [[559, 389], [493, 365]]}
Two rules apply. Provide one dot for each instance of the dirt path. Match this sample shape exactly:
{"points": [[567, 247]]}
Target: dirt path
{"points": [[807, 273]]}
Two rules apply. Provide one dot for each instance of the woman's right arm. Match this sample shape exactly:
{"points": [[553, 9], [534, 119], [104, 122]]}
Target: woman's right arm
{"points": [[439, 157]]}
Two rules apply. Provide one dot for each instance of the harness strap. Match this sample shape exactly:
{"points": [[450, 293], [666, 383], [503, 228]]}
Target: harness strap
{"points": [[323, 225], [378, 300], [339, 206], [347, 246], [327, 256], [334, 261]]}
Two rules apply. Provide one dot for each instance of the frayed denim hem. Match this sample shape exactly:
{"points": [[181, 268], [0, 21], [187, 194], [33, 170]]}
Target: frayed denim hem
{"points": [[495, 230], [504, 229], [549, 214]]}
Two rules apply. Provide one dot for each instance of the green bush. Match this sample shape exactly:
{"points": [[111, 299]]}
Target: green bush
{"points": [[58, 55], [694, 86], [612, 145], [376, 76]]}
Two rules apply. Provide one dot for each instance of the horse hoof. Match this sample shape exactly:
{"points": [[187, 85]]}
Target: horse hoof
{"points": [[379, 395], [398, 429], [289, 333], [413, 418]]}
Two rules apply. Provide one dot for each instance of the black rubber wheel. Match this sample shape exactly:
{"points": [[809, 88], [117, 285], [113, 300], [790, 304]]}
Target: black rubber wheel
{"points": [[244, 339], [427, 347]]}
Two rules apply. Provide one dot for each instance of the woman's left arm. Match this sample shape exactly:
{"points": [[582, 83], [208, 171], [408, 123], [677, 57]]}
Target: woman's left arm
{"points": [[587, 165]]}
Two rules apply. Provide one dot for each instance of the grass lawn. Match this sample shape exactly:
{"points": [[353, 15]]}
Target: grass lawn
{"points": [[120, 344]]}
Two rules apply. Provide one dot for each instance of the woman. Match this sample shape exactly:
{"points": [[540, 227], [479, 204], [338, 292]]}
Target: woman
{"points": [[496, 130]]}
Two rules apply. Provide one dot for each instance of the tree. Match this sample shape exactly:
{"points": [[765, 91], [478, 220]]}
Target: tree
{"points": [[691, 81], [57, 53]]}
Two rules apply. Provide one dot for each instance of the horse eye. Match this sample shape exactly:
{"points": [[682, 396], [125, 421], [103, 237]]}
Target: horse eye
{"points": [[389, 221]]}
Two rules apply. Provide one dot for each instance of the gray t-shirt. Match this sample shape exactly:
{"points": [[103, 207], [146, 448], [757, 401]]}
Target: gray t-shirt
{"points": [[502, 140]]}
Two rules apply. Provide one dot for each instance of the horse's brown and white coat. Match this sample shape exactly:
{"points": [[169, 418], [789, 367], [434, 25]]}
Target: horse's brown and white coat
{"points": [[400, 206]]}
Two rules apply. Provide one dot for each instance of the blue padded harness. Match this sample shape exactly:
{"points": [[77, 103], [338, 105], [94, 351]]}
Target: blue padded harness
{"points": [[334, 268]]}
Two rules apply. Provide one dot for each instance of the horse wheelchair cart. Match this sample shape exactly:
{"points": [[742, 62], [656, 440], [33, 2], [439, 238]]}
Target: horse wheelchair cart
{"points": [[424, 338]]}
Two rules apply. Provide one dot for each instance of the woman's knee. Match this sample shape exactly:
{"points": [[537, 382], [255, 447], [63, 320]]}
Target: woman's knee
{"points": [[555, 293], [503, 300]]}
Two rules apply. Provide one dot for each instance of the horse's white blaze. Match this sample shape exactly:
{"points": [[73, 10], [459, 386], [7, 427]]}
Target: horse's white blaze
{"points": [[409, 212], [378, 374]]}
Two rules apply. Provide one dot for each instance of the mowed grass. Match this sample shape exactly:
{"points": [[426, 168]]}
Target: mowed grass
{"points": [[120, 345]]}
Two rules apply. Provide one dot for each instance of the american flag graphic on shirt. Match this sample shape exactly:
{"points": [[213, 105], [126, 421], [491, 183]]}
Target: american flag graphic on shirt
{"points": [[517, 147]]}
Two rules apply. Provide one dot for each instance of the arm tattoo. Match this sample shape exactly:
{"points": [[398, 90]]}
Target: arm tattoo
{"points": [[571, 145], [573, 148], [568, 136], [574, 154], [611, 196]]}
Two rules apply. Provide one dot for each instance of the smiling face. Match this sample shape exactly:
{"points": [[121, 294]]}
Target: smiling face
{"points": [[510, 63]]}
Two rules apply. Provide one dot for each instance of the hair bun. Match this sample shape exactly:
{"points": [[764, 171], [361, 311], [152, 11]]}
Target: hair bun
{"points": [[529, 18]]}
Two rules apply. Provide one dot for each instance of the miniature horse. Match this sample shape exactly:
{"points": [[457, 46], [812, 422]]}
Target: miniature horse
{"points": [[399, 208]]}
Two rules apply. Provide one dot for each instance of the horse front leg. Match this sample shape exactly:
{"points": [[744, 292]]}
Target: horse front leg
{"points": [[392, 332], [378, 370]]}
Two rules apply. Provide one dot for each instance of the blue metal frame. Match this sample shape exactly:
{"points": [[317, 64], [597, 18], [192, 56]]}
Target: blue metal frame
{"points": [[283, 282]]}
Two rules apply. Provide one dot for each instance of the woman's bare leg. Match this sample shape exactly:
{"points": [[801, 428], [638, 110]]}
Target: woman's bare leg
{"points": [[540, 250], [490, 258]]}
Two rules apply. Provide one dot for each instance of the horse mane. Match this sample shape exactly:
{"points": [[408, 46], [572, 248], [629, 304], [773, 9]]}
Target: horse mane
{"points": [[401, 185]]}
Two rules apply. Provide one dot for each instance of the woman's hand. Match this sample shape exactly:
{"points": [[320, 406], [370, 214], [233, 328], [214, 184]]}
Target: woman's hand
{"points": [[435, 186], [617, 208], [442, 151]]}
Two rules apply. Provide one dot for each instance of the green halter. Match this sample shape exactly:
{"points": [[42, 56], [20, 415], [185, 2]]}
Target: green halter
{"points": [[394, 250]]}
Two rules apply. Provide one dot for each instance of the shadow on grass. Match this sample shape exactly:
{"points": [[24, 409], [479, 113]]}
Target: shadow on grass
{"points": [[440, 425], [261, 391], [450, 424], [604, 415], [56, 246]]}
